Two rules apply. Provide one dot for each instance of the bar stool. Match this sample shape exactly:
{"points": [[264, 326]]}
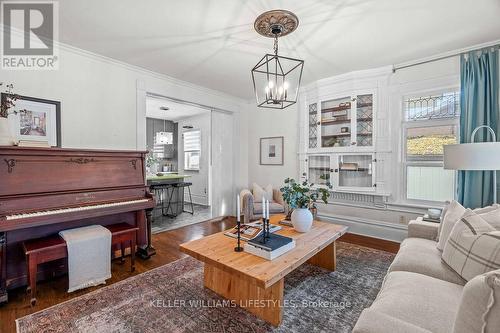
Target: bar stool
{"points": [[183, 185]]}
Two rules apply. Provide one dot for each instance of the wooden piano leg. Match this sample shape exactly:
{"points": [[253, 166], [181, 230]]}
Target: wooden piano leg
{"points": [[3, 268], [145, 252]]}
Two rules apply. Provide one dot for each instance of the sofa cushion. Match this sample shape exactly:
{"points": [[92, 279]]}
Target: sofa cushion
{"points": [[376, 322], [473, 247], [453, 213], [274, 208], [420, 300], [479, 309], [260, 193], [420, 255]]}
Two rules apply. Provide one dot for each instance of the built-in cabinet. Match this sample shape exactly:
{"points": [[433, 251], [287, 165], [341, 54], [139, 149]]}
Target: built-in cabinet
{"points": [[340, 120], [345, 171]]}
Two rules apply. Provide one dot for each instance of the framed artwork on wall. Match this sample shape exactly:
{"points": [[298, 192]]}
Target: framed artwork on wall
{"points": [[36, 120], [271, 150]]}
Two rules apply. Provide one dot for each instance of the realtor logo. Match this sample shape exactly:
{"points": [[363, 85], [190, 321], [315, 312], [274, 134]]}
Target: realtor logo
{"points": [[29, 30]]}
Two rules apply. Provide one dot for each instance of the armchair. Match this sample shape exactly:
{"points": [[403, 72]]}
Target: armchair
{"points": [[252, 210]]}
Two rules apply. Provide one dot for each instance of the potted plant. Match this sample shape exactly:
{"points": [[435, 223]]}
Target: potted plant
{"points": [[6, 104], [151, 162], [301, 197]]}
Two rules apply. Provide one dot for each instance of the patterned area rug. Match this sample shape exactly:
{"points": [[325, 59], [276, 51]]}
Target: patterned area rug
{"points": [[172, 298]]}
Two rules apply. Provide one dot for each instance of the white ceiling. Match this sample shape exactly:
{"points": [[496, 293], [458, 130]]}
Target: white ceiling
{"points": [[212, 42], [175, 110]]}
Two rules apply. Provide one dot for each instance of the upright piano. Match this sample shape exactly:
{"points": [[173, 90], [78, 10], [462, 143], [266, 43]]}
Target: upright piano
{"points": [[46, 190]]}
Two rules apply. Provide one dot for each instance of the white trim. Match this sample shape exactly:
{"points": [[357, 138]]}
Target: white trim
{"points": [[445, 55], [372, 228]]}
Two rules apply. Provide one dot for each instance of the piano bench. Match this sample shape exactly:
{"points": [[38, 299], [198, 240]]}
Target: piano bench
{"points": [[50, 248]]}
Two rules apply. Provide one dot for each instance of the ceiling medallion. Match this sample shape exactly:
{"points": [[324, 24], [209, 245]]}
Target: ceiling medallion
{"points": [[276, 79], [274, 22]]}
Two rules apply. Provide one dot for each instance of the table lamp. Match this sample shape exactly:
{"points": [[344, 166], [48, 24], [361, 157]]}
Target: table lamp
{"points": [[480, 156]]}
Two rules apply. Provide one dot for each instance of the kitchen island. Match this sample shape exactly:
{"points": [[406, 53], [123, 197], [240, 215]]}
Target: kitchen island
{"points": [[166, 190]]}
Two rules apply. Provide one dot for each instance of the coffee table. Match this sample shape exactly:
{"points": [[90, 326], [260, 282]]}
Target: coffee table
{"points": [[257, 284]]}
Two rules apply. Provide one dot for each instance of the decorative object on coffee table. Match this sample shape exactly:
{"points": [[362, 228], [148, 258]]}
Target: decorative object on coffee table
{"points": [[238, 248], [301, 198], [35, 119]]}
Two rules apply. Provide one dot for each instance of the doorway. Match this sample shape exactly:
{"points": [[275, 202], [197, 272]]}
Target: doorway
{"points": [[178, 139]]}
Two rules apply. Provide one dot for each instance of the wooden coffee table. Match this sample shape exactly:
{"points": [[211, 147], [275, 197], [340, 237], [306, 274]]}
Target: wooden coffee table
{"points": [[254, 283]]}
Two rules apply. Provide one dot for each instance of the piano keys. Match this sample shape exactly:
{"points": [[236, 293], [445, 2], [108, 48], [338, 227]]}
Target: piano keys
{"points": [[46, 190]]}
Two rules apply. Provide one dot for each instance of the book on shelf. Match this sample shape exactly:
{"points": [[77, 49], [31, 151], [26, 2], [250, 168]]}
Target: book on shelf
{"points": [[33, 143], [250, 230], [269, 248]]}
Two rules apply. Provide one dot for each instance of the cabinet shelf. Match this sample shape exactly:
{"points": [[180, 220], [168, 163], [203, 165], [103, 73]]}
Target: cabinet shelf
{"points": [[363, 105], [335, 135], [337, 108], [343, 121], [333, 122], [355, 170]]}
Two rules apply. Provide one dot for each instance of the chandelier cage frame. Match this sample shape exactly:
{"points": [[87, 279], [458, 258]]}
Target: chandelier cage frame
{"points": [[273, 70]]}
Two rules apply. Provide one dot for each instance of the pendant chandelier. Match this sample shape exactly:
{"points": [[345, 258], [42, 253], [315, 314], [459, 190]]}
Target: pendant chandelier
{"points": [[276, 79]]}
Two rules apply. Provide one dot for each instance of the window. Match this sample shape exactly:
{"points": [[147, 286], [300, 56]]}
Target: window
{"points": [[192, 149], [431, 121]]}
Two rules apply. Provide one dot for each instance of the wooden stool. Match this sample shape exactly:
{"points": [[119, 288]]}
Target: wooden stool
{"points": [[50, 248]]}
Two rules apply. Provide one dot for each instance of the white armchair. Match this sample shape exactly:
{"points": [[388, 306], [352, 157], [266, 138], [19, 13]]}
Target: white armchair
{"points": [[253, 210]]}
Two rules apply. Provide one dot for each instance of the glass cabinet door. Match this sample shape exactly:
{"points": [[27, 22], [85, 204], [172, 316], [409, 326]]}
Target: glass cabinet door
{"points": [[313, 125], [364, 120], [336, 122], [355, 171], [319, 169]]}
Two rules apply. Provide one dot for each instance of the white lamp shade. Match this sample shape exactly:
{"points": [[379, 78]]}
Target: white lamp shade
{"points": [[472, 156]]}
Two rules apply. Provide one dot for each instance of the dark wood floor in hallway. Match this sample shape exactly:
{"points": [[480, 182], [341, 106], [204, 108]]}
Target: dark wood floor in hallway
{"points": [[167, 246]]}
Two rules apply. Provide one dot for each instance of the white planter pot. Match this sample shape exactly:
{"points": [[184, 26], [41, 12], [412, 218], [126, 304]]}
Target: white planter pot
{"points": [[6, 138], [302, 219]]}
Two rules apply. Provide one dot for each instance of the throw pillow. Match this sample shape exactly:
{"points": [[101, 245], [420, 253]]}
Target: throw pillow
{"points": [[492, 217], [453, 214], [441, 218], [480, 305], [473, 247], [260, 193]]}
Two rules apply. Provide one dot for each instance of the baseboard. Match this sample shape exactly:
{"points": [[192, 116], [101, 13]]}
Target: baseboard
{"points": [[371, 228], [197, 199], [374, 243]]}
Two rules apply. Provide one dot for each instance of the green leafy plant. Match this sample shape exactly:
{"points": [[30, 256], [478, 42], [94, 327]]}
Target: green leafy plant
{"points": [[9, 101], [151, 158], [304, 195]]}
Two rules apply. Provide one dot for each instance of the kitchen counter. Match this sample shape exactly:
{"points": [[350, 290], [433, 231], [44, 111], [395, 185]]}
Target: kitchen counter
{"points": [[167, 177]]}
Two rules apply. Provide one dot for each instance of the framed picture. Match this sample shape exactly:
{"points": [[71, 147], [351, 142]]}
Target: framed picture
{"points": [[36, 119], [271, 151]]}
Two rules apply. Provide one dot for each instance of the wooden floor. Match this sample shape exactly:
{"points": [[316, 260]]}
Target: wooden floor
{"points": [[167, 247]]}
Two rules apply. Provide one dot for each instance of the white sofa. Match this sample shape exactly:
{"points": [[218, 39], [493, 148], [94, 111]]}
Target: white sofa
{"points": [[421, 293]]}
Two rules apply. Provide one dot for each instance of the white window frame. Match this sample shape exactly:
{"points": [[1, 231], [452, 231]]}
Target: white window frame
{"points": [[191, 151], [408, 124]]}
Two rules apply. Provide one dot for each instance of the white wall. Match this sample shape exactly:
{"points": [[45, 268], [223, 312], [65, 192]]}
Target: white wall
{"points": [[270, 123], [99, 97], [199, 189]]}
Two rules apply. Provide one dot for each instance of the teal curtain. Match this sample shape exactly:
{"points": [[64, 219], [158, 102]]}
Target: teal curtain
{"points": [[478, 106]]}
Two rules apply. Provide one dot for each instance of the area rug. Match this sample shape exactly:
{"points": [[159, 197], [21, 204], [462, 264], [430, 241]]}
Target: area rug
{"points": [[172, 298]]}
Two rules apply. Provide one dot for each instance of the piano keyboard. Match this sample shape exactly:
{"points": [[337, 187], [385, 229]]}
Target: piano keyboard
{"points": [[73, 209]]}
